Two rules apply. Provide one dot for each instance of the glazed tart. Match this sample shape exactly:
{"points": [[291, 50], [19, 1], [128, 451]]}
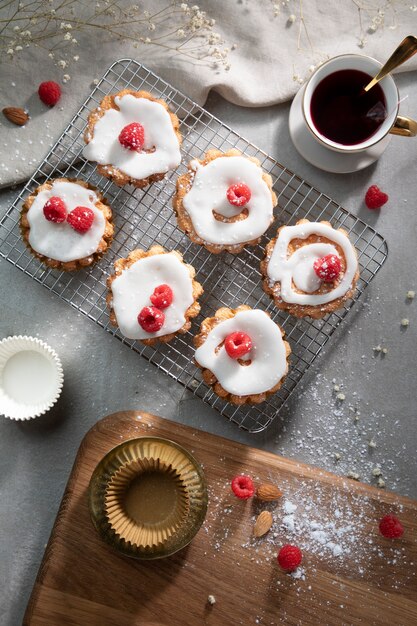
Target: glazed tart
{"points": [[67, 224], [243, 354], [310, 269], [153, 295], [225, 201], [133, 137]]}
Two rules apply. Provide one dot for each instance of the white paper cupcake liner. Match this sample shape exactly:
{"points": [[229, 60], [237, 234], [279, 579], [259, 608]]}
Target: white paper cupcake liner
{"points": [[31, 377]]}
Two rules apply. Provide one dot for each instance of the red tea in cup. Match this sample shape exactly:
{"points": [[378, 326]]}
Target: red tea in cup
{"points": [[343, 112]]}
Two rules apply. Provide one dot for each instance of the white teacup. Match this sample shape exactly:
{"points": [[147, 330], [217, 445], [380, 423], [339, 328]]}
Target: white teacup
{"points": [[314, 146], [392, 123]]}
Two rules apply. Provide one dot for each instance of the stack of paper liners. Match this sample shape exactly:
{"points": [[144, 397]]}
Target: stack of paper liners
{"points": [[158, 458]]}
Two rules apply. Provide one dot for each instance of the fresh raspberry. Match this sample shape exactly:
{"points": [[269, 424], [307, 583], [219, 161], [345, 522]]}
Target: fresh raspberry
{"points": [[49, 92], [132, 136], [81, 219], [162, 296], [289, 557], [237, 345], [55, 210], [375, 198], [391, 527], [239, 194], [328, 267], [151, 319], [242, 487]]}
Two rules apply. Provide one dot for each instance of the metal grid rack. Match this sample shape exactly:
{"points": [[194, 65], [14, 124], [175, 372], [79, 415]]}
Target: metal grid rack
{"points": [[145, 217]]}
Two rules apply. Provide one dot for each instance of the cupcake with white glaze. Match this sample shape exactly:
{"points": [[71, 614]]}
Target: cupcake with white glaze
{"points": [[67, 224], [153, 295], [243, 354], [133, 137], [310, 269], [225, 201]]}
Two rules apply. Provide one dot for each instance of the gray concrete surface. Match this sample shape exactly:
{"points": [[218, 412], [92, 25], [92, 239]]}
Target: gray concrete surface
{"points": [[102, 376]]}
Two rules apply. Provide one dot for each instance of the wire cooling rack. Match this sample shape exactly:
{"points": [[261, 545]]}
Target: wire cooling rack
{"points": [[145, 217]]}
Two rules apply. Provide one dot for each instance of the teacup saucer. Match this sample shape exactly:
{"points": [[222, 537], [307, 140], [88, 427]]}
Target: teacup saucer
{"points": [[322, 157]]}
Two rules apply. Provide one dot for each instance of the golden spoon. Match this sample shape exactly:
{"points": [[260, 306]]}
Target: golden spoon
{"points": [[405, 51]]}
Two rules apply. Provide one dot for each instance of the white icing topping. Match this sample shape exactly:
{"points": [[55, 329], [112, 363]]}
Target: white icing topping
{"points": [[60, 241], [298, 268], [134, 286], [208, 194], [268, 356], [105, 148]]}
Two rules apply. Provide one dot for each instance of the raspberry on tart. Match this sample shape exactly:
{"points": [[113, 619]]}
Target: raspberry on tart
{"points": [[66, 224], [151, 319], [310, 269], [239, 194], [162, 296], [237, 345], [153, 295], [55, 210], [328, 267], [134, 138], [81, 219], [242, 354]]}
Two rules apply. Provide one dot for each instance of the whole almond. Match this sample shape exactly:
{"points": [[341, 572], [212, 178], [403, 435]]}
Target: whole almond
{"points": [[263, 523], [15, 115], [268, 492]]}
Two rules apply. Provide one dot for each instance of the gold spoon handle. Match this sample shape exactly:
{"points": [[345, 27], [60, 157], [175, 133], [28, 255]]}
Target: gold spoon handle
{"points": [[405, 51], [404, 126]]}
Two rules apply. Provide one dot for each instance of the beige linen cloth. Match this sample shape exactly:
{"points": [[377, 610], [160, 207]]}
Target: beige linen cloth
{"points": [[274, 54]]}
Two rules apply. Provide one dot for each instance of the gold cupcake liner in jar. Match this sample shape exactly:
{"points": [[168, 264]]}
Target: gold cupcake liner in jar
{"points": [[148, 497]]}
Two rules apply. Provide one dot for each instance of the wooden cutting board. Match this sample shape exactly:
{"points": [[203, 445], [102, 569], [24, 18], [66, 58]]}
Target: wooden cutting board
{"points": [[350, 574]]}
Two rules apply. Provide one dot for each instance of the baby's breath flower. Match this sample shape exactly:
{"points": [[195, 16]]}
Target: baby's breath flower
{"points": [[181, 32], [76, 57], [62, 63], [151, 26], [16, 28], [291, 18], [10, 51], [18, 48], [67, 37], [66, 78]]}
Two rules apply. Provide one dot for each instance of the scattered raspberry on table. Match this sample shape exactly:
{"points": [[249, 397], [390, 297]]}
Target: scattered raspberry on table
{"points": [[243, 487], [49, 92], [375, 198], [289, 557], [391, 527]]}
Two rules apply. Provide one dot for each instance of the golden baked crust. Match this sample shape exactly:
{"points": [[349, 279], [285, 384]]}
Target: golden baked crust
{"points": [[69, 266], [206, 326], [300, 310], [110, 171], [136, 255], [183, 186]]}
